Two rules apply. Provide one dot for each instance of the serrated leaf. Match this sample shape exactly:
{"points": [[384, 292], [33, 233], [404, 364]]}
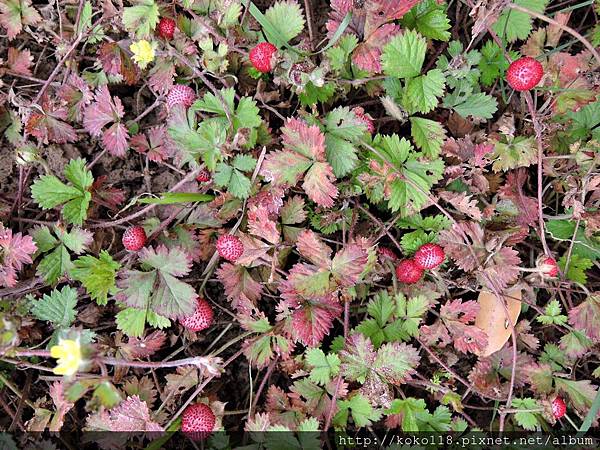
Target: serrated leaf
{"points": [[430, 19], [57, 308], [481, 106], [552, 314], [428, 135], [514, 25], [142, 18], [361, 410], [97, 275], [132, 321], [324, 367], [518, 152], [287, 18], [577, 267], [403, 56]]}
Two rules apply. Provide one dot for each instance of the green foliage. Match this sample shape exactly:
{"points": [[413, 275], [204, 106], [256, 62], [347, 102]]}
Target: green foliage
{"points": [[58, 308], [393, 318], [97, 275], [49, 192], [583, 246], [415, 416], [422, 92], [339, 56], [142, 18], [429, 18], [403, 56], [577, 267], [552, 314], [428, 135], [233, 178], [515, 25], [132, 321], [359, 408], [57, 245], [493, 63], [342, 135], [510, 153], [527, 419], [413, 177], [311, 94], [324, 367], [287, 20]]}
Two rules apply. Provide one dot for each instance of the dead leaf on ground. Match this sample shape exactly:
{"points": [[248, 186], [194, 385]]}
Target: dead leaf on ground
{"points": [[491, 317]]}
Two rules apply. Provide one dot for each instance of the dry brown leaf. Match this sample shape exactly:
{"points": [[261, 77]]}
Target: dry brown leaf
{"points": [[491, 317]]}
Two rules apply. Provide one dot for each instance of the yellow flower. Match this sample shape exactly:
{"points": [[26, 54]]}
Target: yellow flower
{"points": [[143, 52], [68, 353]]}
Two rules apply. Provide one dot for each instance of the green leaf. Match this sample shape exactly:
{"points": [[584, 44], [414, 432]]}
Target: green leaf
{"points": [[480, 106], [245, 163], [361, 410], [85, 18], [514, 25], [142, 18], [132, 321], [422, 92], [493, 63], [158, 289], [564, 230], [343, 131], [57, 308], [49, 192], [577, 267], [97, 275], [55, 264], [409, 408], [520, 151], [339, 56], [236, 182], [403, 56], [324, 367], [428, 135], [285, 17], [311, 95], [525, 419], [552, 314], [430, 19]]}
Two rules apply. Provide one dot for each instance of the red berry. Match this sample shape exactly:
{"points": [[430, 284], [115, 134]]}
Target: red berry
{"points": [[386, 253], [548, 266], [230, 247], [408, 271], [198, 421], [201, 319], [134, 238], [262, 57], [559, 408], [166, 28], [524, 74], [180, 94], [203, 176], [365, 118], [429, 256]]}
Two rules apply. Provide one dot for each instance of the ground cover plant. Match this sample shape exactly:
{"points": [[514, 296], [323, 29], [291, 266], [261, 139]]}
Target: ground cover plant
{"points": [[298, 216]]}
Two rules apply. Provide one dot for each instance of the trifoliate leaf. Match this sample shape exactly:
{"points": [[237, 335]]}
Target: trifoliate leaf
{"points": [[49, 192], [526, 419], [324, 367], [520, 151], [359, 408], [552, 314]]}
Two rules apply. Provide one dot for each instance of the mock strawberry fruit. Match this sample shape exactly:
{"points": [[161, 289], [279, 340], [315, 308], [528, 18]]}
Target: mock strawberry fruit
{"points": [[230, 247], [429, 256], [198, 421], [203, 176], [134, 238], [547, 265], [201, 319], [262, 57], [407, 271], [386, 253], [524, 74], [180, 94], [559, 407], [365, 118], [166, 28]]}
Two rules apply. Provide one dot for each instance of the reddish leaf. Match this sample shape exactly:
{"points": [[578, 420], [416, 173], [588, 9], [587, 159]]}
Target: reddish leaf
{"points": [[15, 251], [103, 111], [314, 249], [237, 281], [48, 126], [19, 61], [313, 319], [161, 76], [259, 224], [156, 143], [106, 195], [513, 191], [63, 406], [349, 263], [586, 317], [16, 13], [115, 61], [146, 346], [132, 414], [77, 94]]}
